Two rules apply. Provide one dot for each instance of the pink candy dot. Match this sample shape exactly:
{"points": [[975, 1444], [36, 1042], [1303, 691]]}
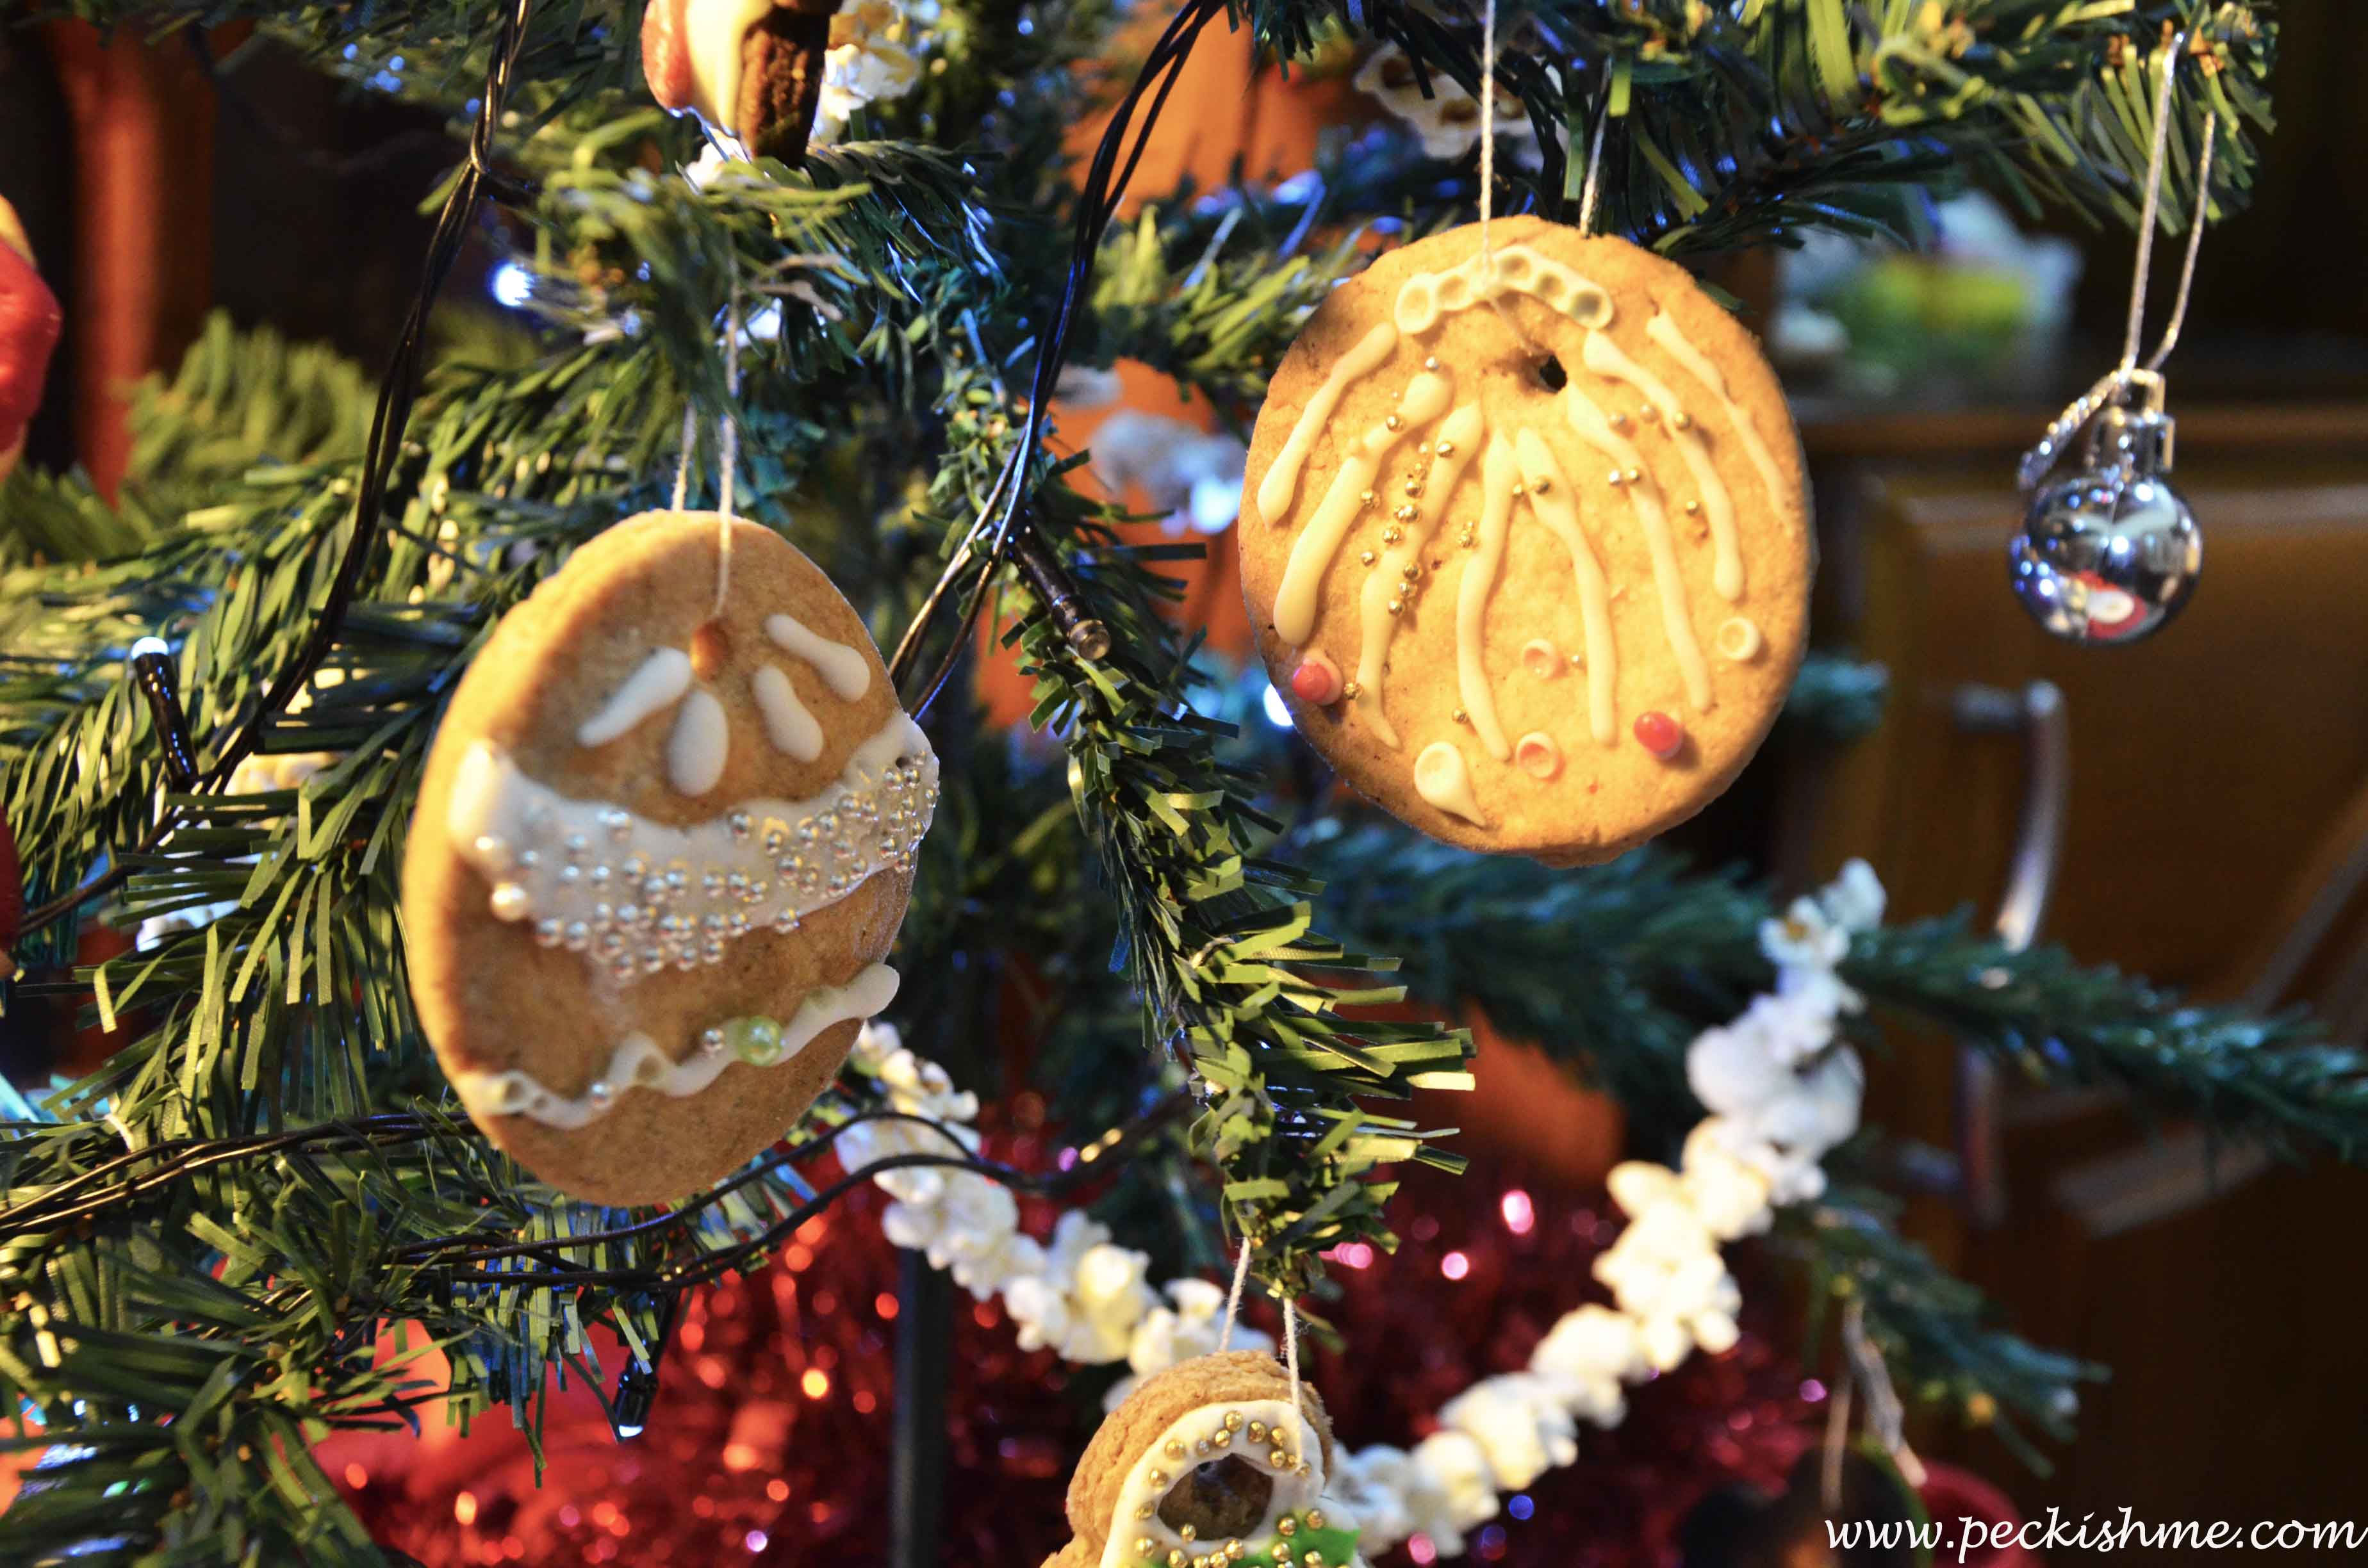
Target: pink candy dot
{"points": [[1660, 734], [1316, 681]]}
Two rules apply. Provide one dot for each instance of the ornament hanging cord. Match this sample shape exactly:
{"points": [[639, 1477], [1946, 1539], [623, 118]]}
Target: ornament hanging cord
{"points": [[398, 391], [1001, 529], [2041, 458]]}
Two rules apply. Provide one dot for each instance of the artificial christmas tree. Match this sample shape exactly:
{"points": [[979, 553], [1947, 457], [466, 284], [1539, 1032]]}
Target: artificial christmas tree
{"points": [[267, 1219]]}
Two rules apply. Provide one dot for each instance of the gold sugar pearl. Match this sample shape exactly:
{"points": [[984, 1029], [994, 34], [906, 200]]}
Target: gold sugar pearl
{"points": [[1351, 691], [1447, 448], [1144, 1546], [1410, 571], [1431, 362], [1406, 514], [1368, 558], [1366, 499], [1303, 1468], [1158, 1478], [1414, 486], [1175, 1448], [1147, 1510], [1188, 1533], [1202, 1448], [1314, 1559], [1223, 1439], [1422, 448], [1616, 478], [1682, 420], [1519, 490], [1544, 484], [1648, 413], [1286, 1526], [1618, 422], [1315, 1518], [1234, 1550], [1277, 1462], [1693, 508], [1392, 534], [1392, 423], [1632, 475], [1233, 1420], [1461, 717], [1397, 606], [1175, 1558], [1257, 1430], [1578, 661]]}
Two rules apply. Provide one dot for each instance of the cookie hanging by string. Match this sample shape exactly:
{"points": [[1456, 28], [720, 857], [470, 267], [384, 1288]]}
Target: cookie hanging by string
{"points": [[660, 853], [1210, 1463], [1544, 509], [751, 69]]}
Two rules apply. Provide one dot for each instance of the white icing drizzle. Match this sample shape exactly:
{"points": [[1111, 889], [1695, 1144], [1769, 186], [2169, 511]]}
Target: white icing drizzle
{"points": [[1499, 475], [712, 33], [844, 669], [700, 740], [1295, 603], [639, 1063], [1460, 434], [636, 896], [1440, 778], [1676, 620], [1739, 639], [1606, 357], [1664, 330], [658, 681], [1155, 1473], [1280, 484], [1550, 501], [787, 725], [1517, 269]]}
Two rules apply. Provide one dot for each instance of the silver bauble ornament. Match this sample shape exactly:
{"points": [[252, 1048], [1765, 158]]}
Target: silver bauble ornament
{"points": [[2110, 553]]}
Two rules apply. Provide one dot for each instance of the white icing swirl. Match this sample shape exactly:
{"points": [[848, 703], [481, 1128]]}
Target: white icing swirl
{"points": [[1517, 270], [697, 747], [1280, 485], [657, 681], [639, 1063], [844, 669], [1295, 602], [636, 896]]}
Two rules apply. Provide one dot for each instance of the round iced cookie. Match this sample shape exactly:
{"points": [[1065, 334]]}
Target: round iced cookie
{"points": [[661, 847], [1543, 513], [1209, 1456]]}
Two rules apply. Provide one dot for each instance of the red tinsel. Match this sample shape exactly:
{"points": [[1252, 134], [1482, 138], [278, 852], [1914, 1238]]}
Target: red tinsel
{"points": [[771, 1439]]}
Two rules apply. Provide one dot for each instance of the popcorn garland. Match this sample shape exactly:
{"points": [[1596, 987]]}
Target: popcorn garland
{"points": [[1781, 1089]]}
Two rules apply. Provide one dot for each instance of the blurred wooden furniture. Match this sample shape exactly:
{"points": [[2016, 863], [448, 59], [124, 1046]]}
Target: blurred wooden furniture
{"points": [[2216, 837]]}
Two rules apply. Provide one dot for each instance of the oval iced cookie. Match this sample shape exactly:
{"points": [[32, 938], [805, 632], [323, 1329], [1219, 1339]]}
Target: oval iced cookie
{"points": [[663, 847], [1526, 540], [1209, 1459]]}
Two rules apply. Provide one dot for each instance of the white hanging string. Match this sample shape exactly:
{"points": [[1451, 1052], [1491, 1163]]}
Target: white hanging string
{"points": [[728, 444], [2152, 208], [1291, 1359], [1233, 1299], [2194, 241], [1487, 136], [1594, 163], [689, 445]]}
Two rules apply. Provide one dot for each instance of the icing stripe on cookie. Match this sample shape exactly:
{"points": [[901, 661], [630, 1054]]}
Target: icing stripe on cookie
{"points": [[1281, 485], [639, 1063], [1676, 620], [1388, 582], [1295, 603], [697, 747], [1664, 330], [661, 679], [844, 669], [1550, 503], [1606, 357], [793, 730], [636, 896], [1499, 475]]}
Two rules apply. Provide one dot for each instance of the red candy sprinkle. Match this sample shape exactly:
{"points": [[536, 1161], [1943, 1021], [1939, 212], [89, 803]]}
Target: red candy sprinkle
{"points": [[1660, 734], [1316, 681]]}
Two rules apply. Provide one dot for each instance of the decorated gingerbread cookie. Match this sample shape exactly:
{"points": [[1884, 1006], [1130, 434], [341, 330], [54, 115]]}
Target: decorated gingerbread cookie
{"points": [[663, 845], [752, 69], [1207, 1464], [1526, 541]]}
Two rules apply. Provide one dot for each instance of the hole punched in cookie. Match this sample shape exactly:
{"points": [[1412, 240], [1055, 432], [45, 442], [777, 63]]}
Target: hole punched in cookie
{"points": [[1223, 1499], [1550, 373], [711, 650]]}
